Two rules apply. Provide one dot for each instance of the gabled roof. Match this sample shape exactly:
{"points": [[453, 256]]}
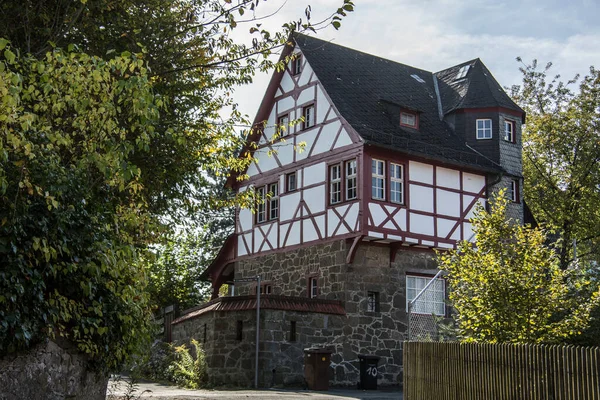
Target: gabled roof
{"points": [[369, 91], [477, 89]]}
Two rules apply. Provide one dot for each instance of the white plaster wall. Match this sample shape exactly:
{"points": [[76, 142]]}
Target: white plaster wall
{"points": [[307, 95], [285, 151], [473, 183], [446, 177], [322, 105], [245, 218], [421, 224], [287, 83], [315, 174], [288, 205], [294, 237], [252, 170], [241, 249], [266, 161], [444, 226], [420, 172], [448, 203], [283, 228], [308, 137], [377, 213], [352, 215], [326, 138], [332, 222], [285, 104], [343, 140], [421, 198], [315, 199], [309, 233], [305, 75], [320, 220]]}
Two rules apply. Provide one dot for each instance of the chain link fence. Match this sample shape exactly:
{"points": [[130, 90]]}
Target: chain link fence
{"points": [[428, 319]]}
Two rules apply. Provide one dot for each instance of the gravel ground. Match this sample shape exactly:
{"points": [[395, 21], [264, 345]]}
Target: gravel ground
{"points": [[118, 390]]}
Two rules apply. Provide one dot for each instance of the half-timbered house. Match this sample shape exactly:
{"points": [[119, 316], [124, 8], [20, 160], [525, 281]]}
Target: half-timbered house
{"points": [[385, 164]]}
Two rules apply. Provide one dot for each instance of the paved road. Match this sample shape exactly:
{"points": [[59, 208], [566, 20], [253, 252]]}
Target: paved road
{"points": [[145, 390]]}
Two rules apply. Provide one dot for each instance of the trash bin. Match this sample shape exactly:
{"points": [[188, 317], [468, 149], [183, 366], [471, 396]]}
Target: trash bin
{"points": [[368, 371], [316, 368]]}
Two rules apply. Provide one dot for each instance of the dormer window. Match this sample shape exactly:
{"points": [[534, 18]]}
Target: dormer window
{"points": [[408, 119], [484, 129], [297, 64]]}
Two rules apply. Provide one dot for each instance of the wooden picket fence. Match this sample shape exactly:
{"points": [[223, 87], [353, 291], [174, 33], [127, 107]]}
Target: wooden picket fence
{"points": [[455, 371]]}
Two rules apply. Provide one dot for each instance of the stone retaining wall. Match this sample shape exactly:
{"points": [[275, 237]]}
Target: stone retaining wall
{"points": [[51, 372]]}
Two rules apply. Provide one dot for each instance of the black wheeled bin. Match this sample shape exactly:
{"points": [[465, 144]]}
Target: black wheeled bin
{"points": [[368, 371], [316, 368]]}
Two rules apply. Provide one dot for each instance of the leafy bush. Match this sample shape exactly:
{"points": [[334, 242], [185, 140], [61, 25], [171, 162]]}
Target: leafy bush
{"points": [[189, 370]]}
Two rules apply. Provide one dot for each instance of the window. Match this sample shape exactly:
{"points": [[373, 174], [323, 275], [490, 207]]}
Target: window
{"points": [[484, 129], [261, 208], [396, 183], [266, 289], [291, 182], [372, 302], [309, 116], [351, 180], [335, 184], [313, 287], [430, 302], [462, 72], [509, 131], [513, 191], [239, 330], [267, 207], [283, 125], [274, 201], [408, 119], [292, 331], [297, 64], [378, 180]]}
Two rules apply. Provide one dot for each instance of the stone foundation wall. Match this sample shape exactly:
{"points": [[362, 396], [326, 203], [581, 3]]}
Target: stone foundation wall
{"points": [[361, 332], [49, 372], [281, 360]]}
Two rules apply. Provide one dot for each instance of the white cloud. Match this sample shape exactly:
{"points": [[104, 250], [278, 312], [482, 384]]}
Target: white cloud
{"points": [[436, 34]]}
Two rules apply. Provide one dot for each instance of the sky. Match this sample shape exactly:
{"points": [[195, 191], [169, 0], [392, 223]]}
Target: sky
{"points": [[437, 34]]}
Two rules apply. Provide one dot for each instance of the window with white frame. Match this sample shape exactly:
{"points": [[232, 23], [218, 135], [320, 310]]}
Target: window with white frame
{"points": [[309, 116], [274, 201], [432, 301], [267, 202], [351, 180], [509, 131], [335, 184], [513, 191], [408, 119], [283, 125], [297, 64], [396, 183], [484, 129], [261, 206], [377, 179], [313, 287], [291, 182]]}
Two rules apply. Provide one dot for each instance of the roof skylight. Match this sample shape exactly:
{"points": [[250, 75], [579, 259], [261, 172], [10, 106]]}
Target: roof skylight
{"points": [[417, 78], [462, 72]]}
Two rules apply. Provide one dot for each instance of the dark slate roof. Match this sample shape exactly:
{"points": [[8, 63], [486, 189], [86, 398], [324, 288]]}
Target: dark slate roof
{"points": [[477, 89], [369, 90], [267, 301]]}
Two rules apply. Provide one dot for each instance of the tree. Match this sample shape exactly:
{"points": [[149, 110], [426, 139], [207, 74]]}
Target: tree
{"points": [[110, 127], [561, 158], [509, 287]]}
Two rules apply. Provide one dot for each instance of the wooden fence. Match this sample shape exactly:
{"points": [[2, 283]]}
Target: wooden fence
{"points": [[454, 371]]}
